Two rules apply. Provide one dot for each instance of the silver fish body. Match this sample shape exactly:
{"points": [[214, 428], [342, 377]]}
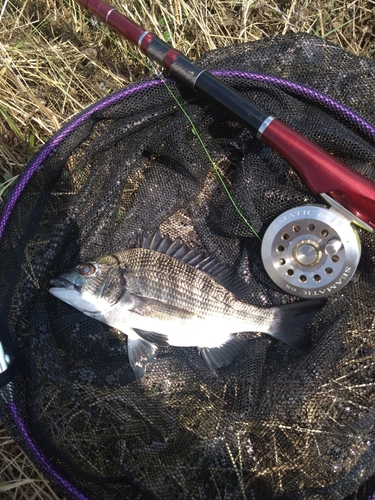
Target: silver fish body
{"points": [[164, 293]]}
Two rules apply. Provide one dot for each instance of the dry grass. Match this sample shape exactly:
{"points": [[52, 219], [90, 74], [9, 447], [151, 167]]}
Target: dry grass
{"points": [[19, 478], [56, 60]]}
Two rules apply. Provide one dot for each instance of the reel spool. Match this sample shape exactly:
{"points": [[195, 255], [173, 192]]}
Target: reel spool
{"points": [[311, 251]]}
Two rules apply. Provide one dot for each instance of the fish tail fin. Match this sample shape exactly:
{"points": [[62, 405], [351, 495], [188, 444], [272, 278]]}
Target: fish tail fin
{"points": [[141, 354], [215, 357], [290, 320]]}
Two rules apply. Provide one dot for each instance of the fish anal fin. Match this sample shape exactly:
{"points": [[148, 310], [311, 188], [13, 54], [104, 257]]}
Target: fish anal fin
{"points": [[141, 354], [215, 357], [153, 337]]}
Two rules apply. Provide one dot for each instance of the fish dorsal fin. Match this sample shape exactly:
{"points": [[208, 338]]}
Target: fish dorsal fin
{"points": [[225, 275]]}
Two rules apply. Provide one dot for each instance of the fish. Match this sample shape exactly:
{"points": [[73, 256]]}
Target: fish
{"points": [[164, 293]]}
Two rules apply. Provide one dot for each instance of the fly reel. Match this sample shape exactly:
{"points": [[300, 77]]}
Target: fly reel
{"points": [[312, 251]]}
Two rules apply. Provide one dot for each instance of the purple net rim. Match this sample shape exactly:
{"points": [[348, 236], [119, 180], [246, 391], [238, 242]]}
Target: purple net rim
{"points": [[39, 455], [55, 141]]}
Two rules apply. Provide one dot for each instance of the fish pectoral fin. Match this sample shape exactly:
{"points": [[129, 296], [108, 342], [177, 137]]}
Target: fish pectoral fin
{"points": [[153, 337], [141, 354], [157, 309], [215, 357]]}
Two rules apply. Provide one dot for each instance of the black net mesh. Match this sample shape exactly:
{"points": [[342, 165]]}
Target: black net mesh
{"points": [[275, 423]]}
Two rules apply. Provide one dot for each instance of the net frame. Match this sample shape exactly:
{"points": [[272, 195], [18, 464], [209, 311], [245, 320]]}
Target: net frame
{"points": [[338, 109]]}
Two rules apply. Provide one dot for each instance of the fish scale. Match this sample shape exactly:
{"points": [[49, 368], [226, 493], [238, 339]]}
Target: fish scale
{"points": [[173, 282]]}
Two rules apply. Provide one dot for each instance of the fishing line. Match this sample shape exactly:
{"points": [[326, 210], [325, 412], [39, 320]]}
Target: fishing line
{"points": [[205, 149], [304, 258], [160, 76]]}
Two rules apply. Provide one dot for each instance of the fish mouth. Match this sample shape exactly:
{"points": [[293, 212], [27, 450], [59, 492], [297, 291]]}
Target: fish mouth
{"points": [[64, 283], [72, 294]]}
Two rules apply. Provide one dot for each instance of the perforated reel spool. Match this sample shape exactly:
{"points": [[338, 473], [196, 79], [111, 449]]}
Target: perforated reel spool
{"points": [[311, 251]]}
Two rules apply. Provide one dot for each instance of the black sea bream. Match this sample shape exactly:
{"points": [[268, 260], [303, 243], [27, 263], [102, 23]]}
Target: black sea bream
{"points": [[164, 293]]}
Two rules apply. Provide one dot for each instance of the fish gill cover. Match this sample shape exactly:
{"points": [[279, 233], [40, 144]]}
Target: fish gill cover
{"points": [[274, 423]]}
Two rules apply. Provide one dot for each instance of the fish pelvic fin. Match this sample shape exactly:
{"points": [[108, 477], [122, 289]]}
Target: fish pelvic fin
{"points": [[290, 320], [215, 357], [141, 354]]}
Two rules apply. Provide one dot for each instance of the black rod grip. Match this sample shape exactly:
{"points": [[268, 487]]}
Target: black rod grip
{"points": [[211, 87], [239, 107]]}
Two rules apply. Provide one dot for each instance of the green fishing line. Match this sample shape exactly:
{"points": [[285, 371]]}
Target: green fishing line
{"points": [[217, 171], [193, 128]]}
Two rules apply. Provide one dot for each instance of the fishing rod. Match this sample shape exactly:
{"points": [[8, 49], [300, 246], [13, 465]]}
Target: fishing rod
{"points": [[292, 254]]}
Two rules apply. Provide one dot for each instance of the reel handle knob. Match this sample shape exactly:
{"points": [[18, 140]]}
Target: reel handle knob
{"points": [[333, 246]]}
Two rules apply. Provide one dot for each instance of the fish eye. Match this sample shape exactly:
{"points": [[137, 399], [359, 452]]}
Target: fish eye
{"points": [[87, 269]]}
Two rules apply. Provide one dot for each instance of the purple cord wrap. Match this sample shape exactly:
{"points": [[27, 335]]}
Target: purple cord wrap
{"points": [[127, 92], [55, 141]]}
